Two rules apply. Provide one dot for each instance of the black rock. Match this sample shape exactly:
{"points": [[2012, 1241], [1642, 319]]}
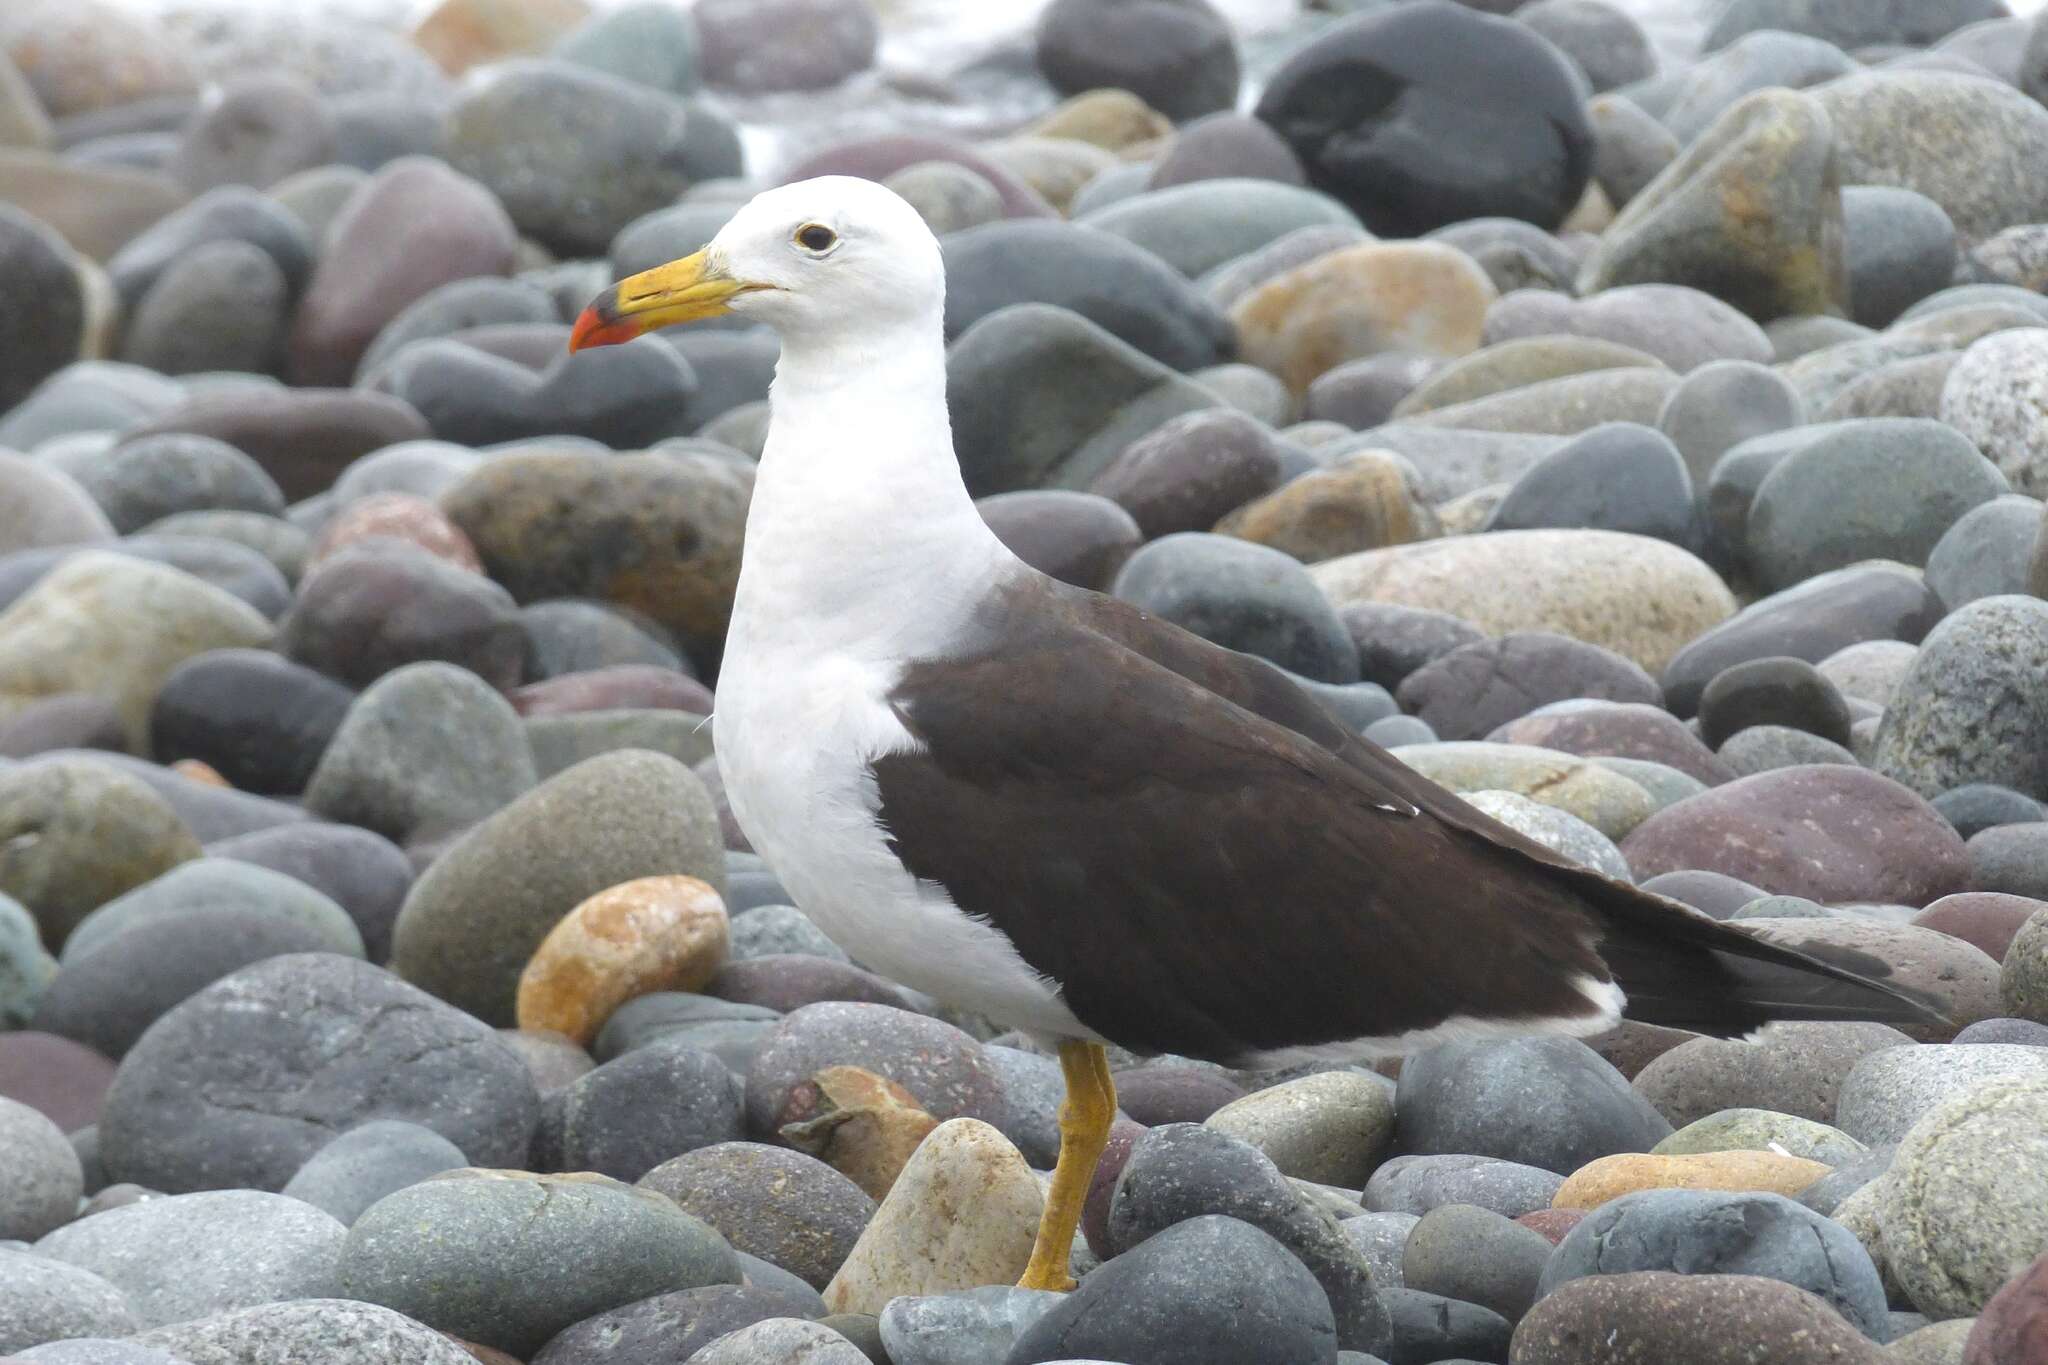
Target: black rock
{"points": [[1184, 1171], [1709, 1232], [1242, 596], [1119, 286], [1619, 476], [1176, 55], [1210, 1291], [1472, 690], [1428, 114], [364, 873], [471, 393], [380, 604], [240, 1084], [258, 719], [668, 1329], [1546, 1102], [42, 305], [1978, 806], [1430, 1328], [1810, 622], [1393, 641], [633, 1113], [1772, 691]]}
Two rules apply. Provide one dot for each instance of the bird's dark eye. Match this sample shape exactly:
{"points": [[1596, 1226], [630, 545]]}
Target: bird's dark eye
{"points": [[816, 237]]}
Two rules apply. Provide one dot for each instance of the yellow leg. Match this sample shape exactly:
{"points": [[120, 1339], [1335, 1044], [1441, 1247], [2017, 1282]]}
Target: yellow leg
{"points": [[1084, 1131]]}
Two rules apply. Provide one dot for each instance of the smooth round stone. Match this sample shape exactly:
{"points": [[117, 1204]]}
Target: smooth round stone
{"points": [[1869, 671], [644, 42], [1829, 833], [1901, 388], [380, 605], [473, 921], [216, 1093], [1783, 907], [1216, 227], [1362, 501], [1776, 691], [1078, 538], [1811, 621], [1416, 1184], [786, 44], [551, 1059], [276, 539], [1760, 1130], [1497, 108], [651, 934], [1226, 145], [794, 1339], [1986, 395], [1187, 473], [1380, 1238], [456, 306], [26, 969], [1165, 1093], [1712, 893], [364, 873], [1612, 1177], [1514, 254], [573, 636], [1618, 476], [2024, 985], [98, 832], [1471, 1254], [1656, 1315], [1901, 247], [1394, 640], [1962, 1209], [619, 687], [1988, 920], [1604, 799], [685, 1325], [640, 1021], [107, 994], [1555, 829], [1680, 326], [941, 1067], [1242, 596], [1331, 1128], [789, 981], [635, 1112], [477, 1253], [1634, 732], [234, 569], [305, 1329], [1722, 404], [186, 1256], [1630, 148], [1179, 57], [1608, 46], [1794, 1069], [1036, 1090], [789, 1209], [1392, 732], [49, 1301], [364, 1164], [1887, 1092], [426, 750], [1884, 488], [1702, 1232], [231, 213], [43, 1180], [117, 626], [1771, 152], [1546, 1102], [569, 179], [2011, 858], [1965, 710], [301, 437], [674, 524], [394, 516], [222, 307], [260, 720], [1181, 1172], [1471, 691], [1430, 1326], [957, 1329], [1987, 552], [46, 506], [949, 197], [1641, 598], [1366, 392], [43, 283], [258, 130], [65, 1080]]}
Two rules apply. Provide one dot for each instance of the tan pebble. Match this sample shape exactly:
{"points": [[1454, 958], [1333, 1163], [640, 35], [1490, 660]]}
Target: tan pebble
{"points": [[654, 934], [964, 1213], [864, 1126], [1613, 1176], [201, 772]]}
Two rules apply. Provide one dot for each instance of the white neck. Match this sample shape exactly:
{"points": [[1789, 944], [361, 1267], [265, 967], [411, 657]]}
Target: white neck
{"points": [[861, 537]]}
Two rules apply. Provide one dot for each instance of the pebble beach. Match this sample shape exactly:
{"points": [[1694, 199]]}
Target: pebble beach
{"points": [[1633, 417]]}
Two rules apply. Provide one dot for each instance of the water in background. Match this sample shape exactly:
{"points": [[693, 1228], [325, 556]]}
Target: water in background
{"points": [[964, 66]]}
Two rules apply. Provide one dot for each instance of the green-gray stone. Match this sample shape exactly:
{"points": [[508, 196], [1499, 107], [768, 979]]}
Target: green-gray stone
{"points": [[1761, 1130]]}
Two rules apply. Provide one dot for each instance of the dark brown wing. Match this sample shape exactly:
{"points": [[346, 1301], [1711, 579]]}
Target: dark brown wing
{"points": [[1209, 864]]}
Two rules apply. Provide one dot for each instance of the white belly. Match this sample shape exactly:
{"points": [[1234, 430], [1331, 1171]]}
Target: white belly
{"points": [[794, 738]]}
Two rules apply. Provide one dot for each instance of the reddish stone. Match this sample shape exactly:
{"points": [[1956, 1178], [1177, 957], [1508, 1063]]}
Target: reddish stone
{"points": [[67, 1081], [1552, 1223], [1831, 833], [1620, 730], [1173, 1094], [396, 516], [2013, 1328], [637, 687], [1987, 919], [1095, 1210]]}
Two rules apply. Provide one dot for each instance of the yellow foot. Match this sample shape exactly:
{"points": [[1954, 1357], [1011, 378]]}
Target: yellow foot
{"points": [[1084, 1131]]}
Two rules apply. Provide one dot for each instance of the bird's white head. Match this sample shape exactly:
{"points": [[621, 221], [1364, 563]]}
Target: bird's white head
{"points": [[810, 259]]}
